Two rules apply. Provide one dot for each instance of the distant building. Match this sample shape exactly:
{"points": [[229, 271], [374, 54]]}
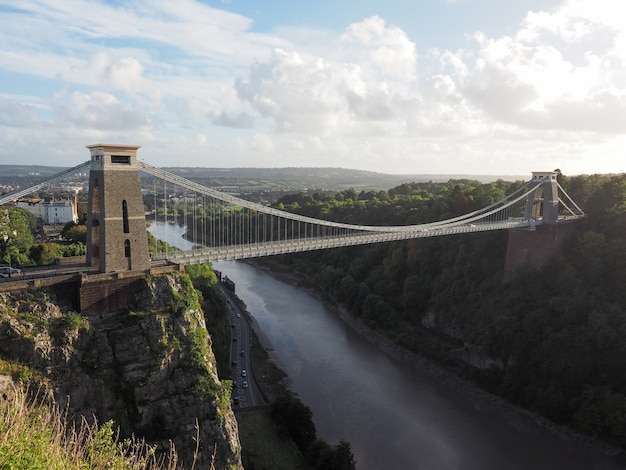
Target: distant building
{"points": [[51, 212], [34, 206]]}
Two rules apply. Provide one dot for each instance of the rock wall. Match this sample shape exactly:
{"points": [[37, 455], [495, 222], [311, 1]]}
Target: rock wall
{"points": [[108, 296], [149, 368], [533, 249]]}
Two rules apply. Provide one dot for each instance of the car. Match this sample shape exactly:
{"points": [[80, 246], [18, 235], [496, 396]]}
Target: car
{"points": [[245, 384], [233, 363], [236, 400], [234, 339], [243, 353], [238, 316], [8, 271], [244, 373]]}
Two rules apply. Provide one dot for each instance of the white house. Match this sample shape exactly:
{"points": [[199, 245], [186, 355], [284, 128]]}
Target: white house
{"points": [[50, 211]]}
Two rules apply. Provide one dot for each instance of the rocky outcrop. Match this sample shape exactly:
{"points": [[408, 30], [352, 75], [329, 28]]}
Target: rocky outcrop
{"points": [[469, 353], [149, 368]]}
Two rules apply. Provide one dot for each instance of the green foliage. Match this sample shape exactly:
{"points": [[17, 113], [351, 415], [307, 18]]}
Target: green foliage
{"points": [[76, 234], [75, 321], [602, 412], [206, 386], [17, 248], [199, 348], [321, 456], [293, 420], [185, 299], [158, 246], [44, 253], [16, 235], [205, 280]]}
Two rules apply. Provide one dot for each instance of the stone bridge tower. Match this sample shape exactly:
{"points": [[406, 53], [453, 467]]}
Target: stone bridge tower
{"points": [[534, 247], [543, 203], [116, 224]]}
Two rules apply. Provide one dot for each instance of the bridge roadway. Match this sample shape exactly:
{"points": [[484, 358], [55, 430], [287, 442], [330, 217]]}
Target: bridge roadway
{"points": [[254, 250]]}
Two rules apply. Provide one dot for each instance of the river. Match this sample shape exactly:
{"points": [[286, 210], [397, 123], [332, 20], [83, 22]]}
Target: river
{"points": [[171, 233], [394, 417]]}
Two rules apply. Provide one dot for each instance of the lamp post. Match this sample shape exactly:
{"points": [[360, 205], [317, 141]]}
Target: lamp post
{"points": [[7, 249], [5, 238]]}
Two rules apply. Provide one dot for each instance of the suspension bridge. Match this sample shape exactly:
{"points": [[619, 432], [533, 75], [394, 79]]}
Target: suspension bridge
{"points": [[226, 227]]}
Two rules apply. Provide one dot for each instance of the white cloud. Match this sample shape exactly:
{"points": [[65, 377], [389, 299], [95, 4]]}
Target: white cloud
{"points": [[355, 90], [101, 111], [300, 95], [14, 113], [386, 49], [125, 74], [561, 71]]}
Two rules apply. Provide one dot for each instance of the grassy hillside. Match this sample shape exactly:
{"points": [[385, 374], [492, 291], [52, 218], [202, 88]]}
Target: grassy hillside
{"points": [[34, 435]]}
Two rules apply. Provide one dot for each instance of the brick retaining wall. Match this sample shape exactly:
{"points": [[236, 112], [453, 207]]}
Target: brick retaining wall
{"points": [[533, 249]]}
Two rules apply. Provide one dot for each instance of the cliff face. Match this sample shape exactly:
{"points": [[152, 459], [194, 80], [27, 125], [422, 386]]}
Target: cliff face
{"points": [[150, 369]]}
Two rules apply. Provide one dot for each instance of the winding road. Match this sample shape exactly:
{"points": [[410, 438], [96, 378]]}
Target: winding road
{"points": [[246, 392]]}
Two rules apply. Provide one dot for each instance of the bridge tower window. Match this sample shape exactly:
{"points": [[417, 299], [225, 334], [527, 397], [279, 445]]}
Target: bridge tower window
{"points": [[95, 196], [95, 242], [120, 159], [127, 254], [125, 216]]}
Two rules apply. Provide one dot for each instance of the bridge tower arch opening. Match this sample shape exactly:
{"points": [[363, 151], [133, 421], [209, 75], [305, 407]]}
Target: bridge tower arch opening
{"points": [[543, 202], [116, 215]]}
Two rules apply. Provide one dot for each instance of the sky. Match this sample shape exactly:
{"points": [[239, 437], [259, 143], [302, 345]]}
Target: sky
{"points": [[486, 87]]}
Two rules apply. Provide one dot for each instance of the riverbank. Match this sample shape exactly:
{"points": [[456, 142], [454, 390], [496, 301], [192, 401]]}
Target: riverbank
{"points": [[481, 400]]}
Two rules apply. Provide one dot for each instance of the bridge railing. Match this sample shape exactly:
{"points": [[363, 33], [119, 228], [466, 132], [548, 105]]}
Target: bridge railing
{"points": [[244, 251]]}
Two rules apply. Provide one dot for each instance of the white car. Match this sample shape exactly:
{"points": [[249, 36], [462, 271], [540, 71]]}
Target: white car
{"points": [[244, 373], [8, 271]]}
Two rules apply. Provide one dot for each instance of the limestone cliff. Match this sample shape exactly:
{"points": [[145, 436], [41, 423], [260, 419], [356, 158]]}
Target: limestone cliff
{"points": [[149, 368]]}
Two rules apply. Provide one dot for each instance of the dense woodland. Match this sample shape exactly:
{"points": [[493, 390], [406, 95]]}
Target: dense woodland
{"points": [[556, 336]]}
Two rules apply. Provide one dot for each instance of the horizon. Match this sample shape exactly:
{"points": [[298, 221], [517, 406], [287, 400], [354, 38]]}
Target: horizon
{"points": [[61, 168]]}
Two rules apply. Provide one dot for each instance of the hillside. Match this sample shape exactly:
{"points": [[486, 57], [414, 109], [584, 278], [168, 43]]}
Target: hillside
{"points": [[274, 178]]}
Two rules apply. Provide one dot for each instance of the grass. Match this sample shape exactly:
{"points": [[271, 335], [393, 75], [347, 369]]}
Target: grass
{"points": [[36, 436], [268, 376], [262, 448]]}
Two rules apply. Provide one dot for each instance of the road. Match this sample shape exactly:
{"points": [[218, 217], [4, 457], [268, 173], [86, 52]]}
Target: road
{"points": [[245, 389], [35, 272]]}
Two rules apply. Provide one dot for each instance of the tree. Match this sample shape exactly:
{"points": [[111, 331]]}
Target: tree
{"points": [[294, 420], [321, 456], [76, 234], [16, 235], [43, 253]]}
